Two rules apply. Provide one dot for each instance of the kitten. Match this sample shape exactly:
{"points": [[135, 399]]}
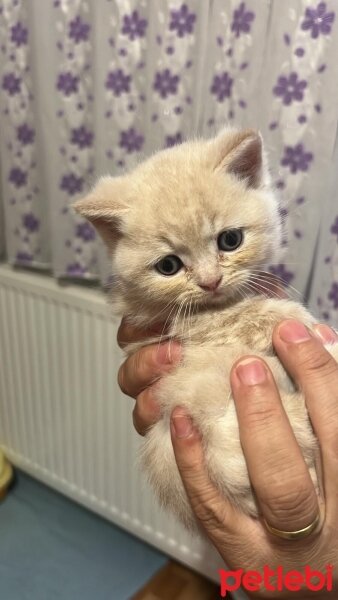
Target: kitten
{"points": [[188, 231]]}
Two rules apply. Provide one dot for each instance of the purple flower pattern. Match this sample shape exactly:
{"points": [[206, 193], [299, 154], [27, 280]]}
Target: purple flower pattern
{"points": [[67, 83], [23, 174], [75, 269], [333, 295], [30, 222], [296, 158], [85, 231], [173, 140], [172, 85], [282, 272], [134, 26], [71, 183], [19, 34], [79, 30], [25, 134], [165, 83], [131, 140], [318, 21], [82, 137], [222, 86], [76, 134], [334, 228], [290, 88], [17, 177], [242, 19], [11, 84], [182, 21], [23, 257], [118, 82]]}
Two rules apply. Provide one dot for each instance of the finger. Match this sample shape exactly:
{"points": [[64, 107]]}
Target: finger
{"points": [[215, 513], [315, 371], [276, 467], [146, 411], [325, 333], [128, 333], [145, 366]]}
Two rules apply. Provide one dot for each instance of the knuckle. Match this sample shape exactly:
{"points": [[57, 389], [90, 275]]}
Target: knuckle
{"points": [[139, 364], [141, 401], [136, 373], [145, 365], [260, 414], [315, 360], [136, 365], [121, 379], [142, 367], [292, 505], [187, 469], [138, 368], [210, 513], [145, 406], [145, 413], [136, 421]]}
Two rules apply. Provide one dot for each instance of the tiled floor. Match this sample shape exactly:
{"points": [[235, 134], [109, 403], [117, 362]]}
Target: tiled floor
{"points": [[53, 549]]}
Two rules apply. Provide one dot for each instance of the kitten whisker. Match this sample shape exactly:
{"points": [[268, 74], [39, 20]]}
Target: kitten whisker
{"points": [[241, 293], [257, 286], [188, 319], [179, 310], [173, 303], [288, 263], [250, 289], [184, 318], [165, 336], [188, 313], [263, 283], [279, 279]]}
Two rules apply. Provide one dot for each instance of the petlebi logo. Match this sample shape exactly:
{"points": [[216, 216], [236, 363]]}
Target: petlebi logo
{"points": [[276, 580]]}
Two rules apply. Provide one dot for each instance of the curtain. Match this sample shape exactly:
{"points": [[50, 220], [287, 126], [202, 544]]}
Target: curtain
{"points": [[90, 87]]}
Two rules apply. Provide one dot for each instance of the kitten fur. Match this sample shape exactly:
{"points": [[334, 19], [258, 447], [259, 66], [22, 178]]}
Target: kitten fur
{"points": [[177, 203]]}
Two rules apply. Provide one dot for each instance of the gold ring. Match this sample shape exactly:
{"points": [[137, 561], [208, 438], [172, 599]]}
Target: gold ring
{"points": [[294, 535]]}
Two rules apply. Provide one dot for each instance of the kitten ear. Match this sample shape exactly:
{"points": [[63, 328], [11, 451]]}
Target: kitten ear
{"points": [[241, 154], [104, 208]]}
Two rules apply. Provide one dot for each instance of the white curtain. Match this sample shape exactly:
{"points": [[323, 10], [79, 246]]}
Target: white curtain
{"points": [[88, 87]]}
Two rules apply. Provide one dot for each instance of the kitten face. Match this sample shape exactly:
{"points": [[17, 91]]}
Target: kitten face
{"points": [[189, 226]]}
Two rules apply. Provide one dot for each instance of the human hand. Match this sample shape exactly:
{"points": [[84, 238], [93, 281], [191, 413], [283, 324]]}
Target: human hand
{"points": [[277, 470]]}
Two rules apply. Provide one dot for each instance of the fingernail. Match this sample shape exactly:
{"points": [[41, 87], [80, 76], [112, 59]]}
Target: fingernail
{"points": [[181, 423], [167, 354], [251, 371], [326, 334], [294, 331]]}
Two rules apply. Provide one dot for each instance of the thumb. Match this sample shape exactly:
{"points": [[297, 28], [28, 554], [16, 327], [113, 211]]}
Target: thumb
{"points": [[212, 510]]}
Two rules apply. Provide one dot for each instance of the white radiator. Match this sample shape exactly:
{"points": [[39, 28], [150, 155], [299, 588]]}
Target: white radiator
{"points": [[63, 418]]}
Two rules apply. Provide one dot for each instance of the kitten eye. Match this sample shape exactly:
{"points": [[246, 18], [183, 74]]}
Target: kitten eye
{"points": [[230, 239], [169, 265]]}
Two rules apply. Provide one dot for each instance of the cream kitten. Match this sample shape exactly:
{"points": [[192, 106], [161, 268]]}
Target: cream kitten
{"points": [[188, 231]]}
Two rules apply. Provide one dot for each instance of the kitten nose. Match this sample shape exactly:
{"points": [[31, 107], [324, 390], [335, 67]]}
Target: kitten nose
{"points": [[210, 286]]}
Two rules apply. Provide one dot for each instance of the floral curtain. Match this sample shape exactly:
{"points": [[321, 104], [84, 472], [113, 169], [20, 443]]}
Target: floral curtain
{"points": [[89, 87]]}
